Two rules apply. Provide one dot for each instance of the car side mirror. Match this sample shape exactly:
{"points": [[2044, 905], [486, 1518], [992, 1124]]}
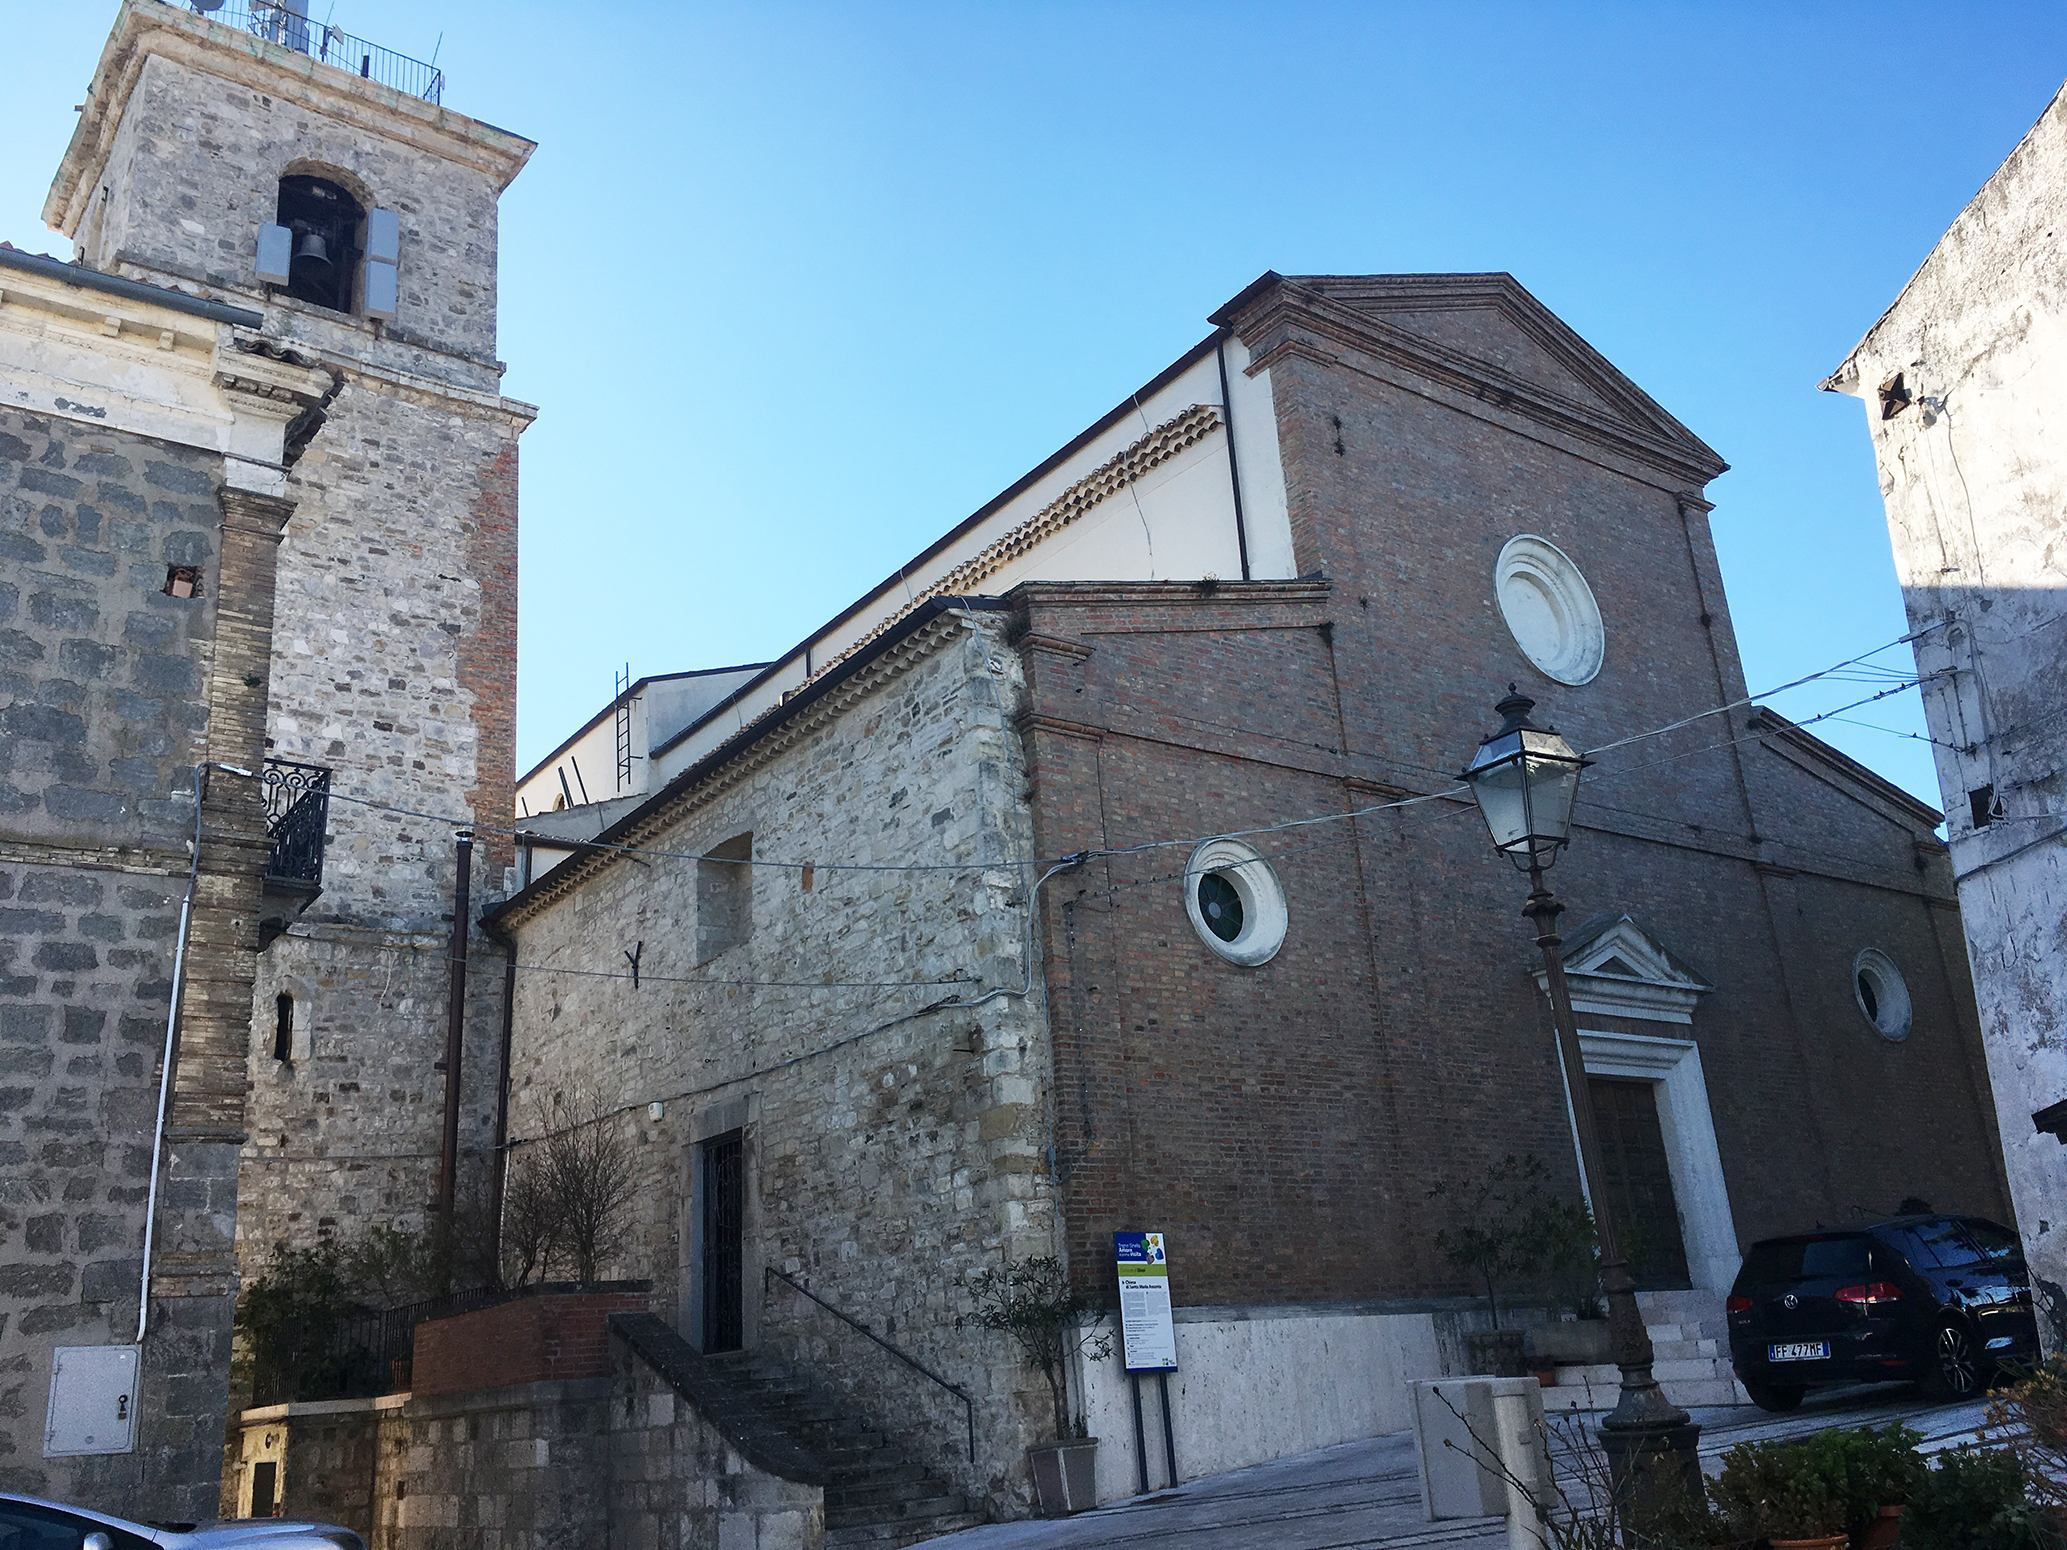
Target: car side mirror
{"points": [[96, 1541]]}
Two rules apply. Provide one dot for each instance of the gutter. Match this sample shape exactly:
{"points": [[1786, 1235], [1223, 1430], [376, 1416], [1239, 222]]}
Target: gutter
{"points": [[80, 277]]}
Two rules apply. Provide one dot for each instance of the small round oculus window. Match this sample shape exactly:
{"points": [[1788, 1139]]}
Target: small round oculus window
{"points": [[1234, 901], [1878, 987], [1549, 609]]}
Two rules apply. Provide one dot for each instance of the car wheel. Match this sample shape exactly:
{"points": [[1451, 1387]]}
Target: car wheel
{"points": [[1956, 1368], [1773, 1398]]}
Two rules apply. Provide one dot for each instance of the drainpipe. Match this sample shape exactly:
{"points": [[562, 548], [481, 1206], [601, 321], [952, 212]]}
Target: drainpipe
{"points": [[455, 1026], [1234, 473], [500, 1170], [170, 1061]]}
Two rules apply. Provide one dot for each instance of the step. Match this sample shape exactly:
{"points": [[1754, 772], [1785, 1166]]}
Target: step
{"points": [[890, 1536], [891, 1515], [901, 1494]]}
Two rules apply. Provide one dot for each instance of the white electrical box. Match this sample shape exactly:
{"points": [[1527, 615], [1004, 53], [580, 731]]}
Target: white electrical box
{"points": [[92, 1401]]}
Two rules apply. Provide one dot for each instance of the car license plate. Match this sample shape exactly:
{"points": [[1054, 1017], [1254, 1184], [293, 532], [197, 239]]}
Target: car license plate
{"points": [[1799, 1351]]}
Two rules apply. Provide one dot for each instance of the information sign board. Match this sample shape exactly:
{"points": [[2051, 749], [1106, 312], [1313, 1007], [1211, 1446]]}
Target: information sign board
{"points": [[1148, 1333]]}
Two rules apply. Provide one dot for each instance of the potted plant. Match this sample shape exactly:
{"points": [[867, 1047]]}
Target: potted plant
{"points": [[1790, 1494], [1046, 1317], [1508, 1224], [1881, 1470]]}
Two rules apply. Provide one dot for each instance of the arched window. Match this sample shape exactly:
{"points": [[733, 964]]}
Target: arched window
{"points": [[327, 225], [283, 1026]]}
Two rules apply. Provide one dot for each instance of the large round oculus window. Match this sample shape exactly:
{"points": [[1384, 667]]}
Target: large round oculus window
{"points": [[1881, 992], [1549, 609], [1234, 902]]}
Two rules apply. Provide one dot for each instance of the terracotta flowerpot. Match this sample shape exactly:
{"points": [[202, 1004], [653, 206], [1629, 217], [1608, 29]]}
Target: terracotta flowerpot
{"points": [[1547, 1376], [1065, 1476], [1883, 1533], [1820, 1542]]}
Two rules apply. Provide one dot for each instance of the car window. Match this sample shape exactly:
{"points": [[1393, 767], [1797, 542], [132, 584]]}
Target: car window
{"points": [[1996, 1244], [1835, 1257], [23, 1527], [1945, 1245], [1798, 1259]]}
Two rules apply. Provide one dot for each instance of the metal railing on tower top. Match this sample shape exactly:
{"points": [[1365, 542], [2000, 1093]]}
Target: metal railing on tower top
{"points": [[284, 22]]}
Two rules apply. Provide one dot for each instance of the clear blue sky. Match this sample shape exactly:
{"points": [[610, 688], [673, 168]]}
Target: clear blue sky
{"points": [[798, 287]]}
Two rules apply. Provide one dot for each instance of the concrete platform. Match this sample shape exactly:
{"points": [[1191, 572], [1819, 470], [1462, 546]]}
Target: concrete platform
{"points": [[1365, 1495]]}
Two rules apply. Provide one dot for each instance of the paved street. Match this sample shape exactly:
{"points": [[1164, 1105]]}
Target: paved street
{"points": [[1367, 1493]]}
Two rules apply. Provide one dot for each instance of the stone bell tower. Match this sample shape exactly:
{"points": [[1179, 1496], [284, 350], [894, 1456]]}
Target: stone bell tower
{"points": [[243, 153]]}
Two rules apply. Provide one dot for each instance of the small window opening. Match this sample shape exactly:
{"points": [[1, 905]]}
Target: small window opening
{"points": [[1868, 999], [1221, 905], [724, 896], [182, 581], [1982, 801], [326, 223], [283, 1027], [810, 877]]}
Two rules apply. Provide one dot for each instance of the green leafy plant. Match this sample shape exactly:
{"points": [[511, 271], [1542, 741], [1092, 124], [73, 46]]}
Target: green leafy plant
{"points": [[1033, 1302], [1783, 1490], [2029, 1417], [1509, 1226], [289, 1317], [1975, 1499], [1879, 1468]]}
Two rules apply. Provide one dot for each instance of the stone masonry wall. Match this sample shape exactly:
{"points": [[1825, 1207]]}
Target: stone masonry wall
{"points": [[394, 666], [887, 1155], [101, 718]]}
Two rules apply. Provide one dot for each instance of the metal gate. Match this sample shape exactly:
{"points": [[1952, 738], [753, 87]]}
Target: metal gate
{"points": [[724, 1224]]}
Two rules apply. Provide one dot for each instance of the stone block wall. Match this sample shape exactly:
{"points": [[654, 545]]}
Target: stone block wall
{"points": [[889, 1151], [102, 713]]}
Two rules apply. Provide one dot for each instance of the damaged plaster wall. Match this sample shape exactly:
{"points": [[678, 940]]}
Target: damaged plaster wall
{"points": [[1964, 381]]}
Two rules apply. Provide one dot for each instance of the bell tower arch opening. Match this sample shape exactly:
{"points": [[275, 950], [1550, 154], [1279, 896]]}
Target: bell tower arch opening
{"points": [[326, 223]]}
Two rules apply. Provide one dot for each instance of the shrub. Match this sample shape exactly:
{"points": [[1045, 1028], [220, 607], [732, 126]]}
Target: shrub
{"points": [[1034, 1303], [1783, 1490], [1974, 1500]]}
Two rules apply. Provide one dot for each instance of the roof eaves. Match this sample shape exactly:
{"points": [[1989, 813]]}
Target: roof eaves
{"points": [[754, 731], [134, 290]]}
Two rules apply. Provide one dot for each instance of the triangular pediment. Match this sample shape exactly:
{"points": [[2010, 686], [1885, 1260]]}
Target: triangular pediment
{"points": [[1487, 335], [1617, 968]]}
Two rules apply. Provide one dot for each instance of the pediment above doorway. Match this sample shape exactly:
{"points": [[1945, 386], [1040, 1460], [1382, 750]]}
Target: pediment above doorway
{"points": [[1618, 969]]}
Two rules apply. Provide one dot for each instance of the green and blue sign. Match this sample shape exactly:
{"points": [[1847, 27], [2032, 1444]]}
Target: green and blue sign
{"points": [[1148, 1332]]}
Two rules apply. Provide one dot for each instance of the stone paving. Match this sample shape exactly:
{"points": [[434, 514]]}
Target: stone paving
{"points": [[1368, 1493]]}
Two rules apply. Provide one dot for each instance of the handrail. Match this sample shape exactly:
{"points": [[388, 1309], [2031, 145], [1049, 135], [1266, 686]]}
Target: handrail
{"points": [[917, 1366]]}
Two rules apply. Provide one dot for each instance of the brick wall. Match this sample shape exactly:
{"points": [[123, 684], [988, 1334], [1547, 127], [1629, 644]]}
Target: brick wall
{"points": [[542, 1336], [1285, 1123]]}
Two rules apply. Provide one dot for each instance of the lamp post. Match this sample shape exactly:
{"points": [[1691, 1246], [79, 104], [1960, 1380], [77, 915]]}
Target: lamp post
{"points": [[1525, 779]]}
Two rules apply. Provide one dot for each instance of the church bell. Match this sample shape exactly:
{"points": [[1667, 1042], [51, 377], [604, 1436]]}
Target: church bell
{"points": [[312, 249]]}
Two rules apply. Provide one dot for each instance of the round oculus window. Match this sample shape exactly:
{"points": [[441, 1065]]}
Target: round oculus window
{"points": [[1878, 987], [1234, 901], [1549, 609]]}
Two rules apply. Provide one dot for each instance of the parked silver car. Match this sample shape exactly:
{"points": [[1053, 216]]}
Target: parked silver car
{"points": [[27, 1523]]}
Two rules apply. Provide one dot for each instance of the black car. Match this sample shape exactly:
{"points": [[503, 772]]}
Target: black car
{"points": [[1940, 1300]]}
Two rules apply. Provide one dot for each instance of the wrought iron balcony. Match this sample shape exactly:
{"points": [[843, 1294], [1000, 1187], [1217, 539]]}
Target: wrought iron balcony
{"points": [[286, 23], [297, 818]]}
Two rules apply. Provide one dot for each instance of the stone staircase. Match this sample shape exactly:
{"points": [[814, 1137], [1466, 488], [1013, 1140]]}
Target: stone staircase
{"points": [[1692, 1365], [876, 1496]]}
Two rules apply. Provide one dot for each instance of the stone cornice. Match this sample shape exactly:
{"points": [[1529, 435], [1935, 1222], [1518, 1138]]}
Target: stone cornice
{"points": [[732, 763], [1161, 444], [1288, 318], [1168, 594], [147, 27]]}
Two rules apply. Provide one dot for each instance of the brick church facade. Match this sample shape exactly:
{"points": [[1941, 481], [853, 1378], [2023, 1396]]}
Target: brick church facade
{"points": [[1281, 585]]}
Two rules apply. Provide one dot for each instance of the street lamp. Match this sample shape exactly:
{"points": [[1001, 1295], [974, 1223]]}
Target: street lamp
{"points": [[1525, 779]]}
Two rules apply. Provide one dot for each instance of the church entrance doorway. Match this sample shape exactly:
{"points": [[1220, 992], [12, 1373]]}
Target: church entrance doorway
{"points": [[1639, 1181], [724, 1246]]}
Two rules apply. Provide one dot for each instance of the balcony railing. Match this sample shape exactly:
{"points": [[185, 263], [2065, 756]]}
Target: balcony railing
{"points": [[297, 814], [286, 25]]}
